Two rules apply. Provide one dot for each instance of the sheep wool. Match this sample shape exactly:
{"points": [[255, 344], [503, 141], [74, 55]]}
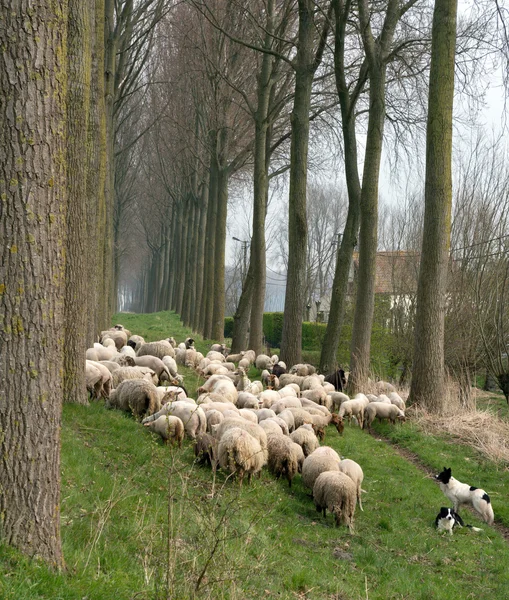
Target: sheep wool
{"points": [[240, 453], [169, 427], [283, 458], [335, 491], [136, 395]]}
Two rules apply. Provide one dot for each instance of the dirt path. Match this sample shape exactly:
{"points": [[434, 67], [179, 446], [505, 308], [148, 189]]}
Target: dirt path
{"points": [[415, 460]]}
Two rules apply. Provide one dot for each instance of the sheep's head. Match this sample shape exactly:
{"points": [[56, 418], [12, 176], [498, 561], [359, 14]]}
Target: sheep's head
{"points": [[337, 421], [126, 361], [319, 432], [170, 396]]}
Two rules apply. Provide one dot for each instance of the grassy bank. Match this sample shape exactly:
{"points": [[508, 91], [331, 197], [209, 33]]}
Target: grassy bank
{"points": [[142, 521]]}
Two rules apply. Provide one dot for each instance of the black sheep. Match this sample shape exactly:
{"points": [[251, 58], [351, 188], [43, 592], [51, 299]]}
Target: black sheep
{"points": [[338, 379]]}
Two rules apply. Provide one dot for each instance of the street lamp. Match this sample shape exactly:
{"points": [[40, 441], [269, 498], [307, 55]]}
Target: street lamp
{"points": [[245, 244]]}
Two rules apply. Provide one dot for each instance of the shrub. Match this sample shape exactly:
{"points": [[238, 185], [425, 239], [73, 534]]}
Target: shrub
{"points": [[228, 327]]}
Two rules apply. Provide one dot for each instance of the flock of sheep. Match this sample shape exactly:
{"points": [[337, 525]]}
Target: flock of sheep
{"points": [[237, 424]]}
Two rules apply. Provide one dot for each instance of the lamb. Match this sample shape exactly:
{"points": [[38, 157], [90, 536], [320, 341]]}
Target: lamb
{"points": [[306, 438], [235, 358], [288, 390], [190, 414], [214, 417], [249, 355], [321, 460], [170, 393], [301, 416], [384, 386], [222, 385], [354, 471], [283, 457], [268, 397], [219, 348], [288, 418], [169, 427], [317, 395], [240, 453], [205, 450], [136, 395], [245, 385], [160, 349], [217, 356], [381, 410], [336, 492], [133, 373], [154, 363], [286, 402], [247, 400]]}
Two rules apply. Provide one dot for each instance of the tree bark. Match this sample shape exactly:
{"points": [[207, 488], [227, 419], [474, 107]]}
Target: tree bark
{"points": [[305, 66], [427, 387], [32, 257], [217, 332], [200, 260], [79, 57], [243, 313]]}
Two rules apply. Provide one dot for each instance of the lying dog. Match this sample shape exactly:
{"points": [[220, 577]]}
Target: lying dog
{"points": [[447, 519], [461, 493]]}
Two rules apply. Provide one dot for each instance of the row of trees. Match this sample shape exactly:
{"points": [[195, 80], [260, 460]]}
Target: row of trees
{"points": [[127, 124]]}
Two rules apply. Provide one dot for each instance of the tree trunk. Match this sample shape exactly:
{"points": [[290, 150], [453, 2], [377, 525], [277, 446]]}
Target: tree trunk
{"points": [[427, 388], [32, 257], [200, 260], [328, 360], [291, 338], [217, 332], [242, 314], [96, 175], [79, 42]]}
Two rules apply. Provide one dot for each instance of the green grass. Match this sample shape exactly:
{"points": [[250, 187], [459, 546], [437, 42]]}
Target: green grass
{"points": [[140, 520]]}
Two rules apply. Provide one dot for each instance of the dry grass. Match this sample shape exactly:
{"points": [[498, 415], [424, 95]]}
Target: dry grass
{"points": [[479, 429]]}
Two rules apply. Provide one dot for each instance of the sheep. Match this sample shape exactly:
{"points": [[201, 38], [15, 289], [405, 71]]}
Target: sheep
{"points": [[171, 365], [306, 438], [245, 385], [278, 369], [282, 425], [136, 395], [270, 427], [252, 428], [247, 400], [263, 361], [265, 413], [123, 360], [189, 343], [283, 457], [337, 399], [214, 368], [240, 453], [311, 382], [317, 395], [288, 418], [248, 414], [99, 352], [353, 408], [372, 397], [354, 471], [336, 492], [107, 378], [301, 416], [172, 342], [222, 385], [302, 370], [169, 427], [214, 417], [396, 399], [383, 398], [154, 363], [170, 393], [190, 414], [191, 360], [217, 356], [317, 462], [205, 450], [268, 397], [381, 410], [93, 379], [220, 348], [180, 356], [119, 337], [286, 402], [250, 355], [337, 379], [287, 378], [235, 358], [160, 349], [128, 351], [133, 373], [135, 341], [384, 386]]}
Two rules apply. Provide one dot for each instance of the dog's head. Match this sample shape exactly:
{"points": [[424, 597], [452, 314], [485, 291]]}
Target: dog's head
{"points": [[446, 513], [444, 476]]}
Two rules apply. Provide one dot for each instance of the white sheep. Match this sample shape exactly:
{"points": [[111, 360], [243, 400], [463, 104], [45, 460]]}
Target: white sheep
{"points": [[283, 457], [335, 491], [240, 453], [252, 428], [305, 437], [169, 427], [160, 349], [136, 395], [192, 416], [354, 471], [263, 361], [381, 410], [124, 373], [396, 399], [318, 462]]}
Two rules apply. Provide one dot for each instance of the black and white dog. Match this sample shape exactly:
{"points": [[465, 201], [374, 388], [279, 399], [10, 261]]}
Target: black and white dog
{"points": [[447, 519], [461, 493]]}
